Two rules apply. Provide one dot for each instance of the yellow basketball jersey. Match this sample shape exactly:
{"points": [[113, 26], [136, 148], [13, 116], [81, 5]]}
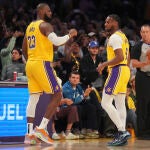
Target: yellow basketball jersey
{"points": [[38, 45], [125, 49]]}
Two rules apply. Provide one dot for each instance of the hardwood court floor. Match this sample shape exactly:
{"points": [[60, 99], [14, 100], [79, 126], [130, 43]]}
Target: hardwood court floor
{"points": [[87, 144]]}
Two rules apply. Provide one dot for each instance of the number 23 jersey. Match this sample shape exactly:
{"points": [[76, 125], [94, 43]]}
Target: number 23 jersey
{"points": [[39, 47]]}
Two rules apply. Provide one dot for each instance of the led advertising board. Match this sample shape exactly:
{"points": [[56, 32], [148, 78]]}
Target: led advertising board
{"points": [[13, 102]]}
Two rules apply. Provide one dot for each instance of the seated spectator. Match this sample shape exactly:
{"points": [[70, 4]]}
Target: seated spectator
{"points": [[17, 65], [87, 112], [131, 111], [69, 112]]}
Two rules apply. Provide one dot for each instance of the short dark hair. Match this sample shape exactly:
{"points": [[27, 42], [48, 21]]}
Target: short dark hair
{"points": [[145, 25], [41, 6], [116, 18], [74, 72]]}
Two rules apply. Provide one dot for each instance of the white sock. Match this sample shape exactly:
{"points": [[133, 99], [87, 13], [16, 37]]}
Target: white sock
{"points": [[30, 128], [44, 123], [111, 110]]}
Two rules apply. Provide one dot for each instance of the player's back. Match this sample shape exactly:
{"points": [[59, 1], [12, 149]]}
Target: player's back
{"points": [[38, 45]]}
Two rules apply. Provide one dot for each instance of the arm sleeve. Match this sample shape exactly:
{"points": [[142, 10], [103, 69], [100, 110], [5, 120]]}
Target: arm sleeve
{"points": [[57, 41]]}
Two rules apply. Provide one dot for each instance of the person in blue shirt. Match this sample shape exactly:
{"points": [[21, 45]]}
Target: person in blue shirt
{"points": [[87, 112]]}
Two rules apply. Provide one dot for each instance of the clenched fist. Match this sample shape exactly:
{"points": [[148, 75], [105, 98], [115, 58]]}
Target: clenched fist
{"points": [[72, 32]]}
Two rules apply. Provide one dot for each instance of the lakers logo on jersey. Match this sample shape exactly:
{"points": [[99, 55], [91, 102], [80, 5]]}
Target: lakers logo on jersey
{"points": [[31, 29], [56, 88], [108, 89]]}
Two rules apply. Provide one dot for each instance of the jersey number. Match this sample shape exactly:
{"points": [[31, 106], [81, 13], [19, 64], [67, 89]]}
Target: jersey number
{"points": [[31, 41]]}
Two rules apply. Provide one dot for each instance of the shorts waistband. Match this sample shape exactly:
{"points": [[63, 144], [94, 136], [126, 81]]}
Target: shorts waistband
{"points": [[118, 65]]}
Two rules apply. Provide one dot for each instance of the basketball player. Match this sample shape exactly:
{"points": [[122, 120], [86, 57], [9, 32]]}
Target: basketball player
{"points": [[38, 50], [118, 77]]}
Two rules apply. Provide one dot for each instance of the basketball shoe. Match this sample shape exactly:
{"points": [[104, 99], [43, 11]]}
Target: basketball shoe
{"points": [[31, 139], [43, 135], [120, 139]]}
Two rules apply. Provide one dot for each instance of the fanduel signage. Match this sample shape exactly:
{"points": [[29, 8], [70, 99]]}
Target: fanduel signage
{"points": [[13, 102], [10, 112]]}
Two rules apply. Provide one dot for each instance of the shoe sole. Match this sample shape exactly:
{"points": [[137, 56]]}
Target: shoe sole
{"points": [[125, 143], [38, 135], [118, 144], [81, 137], [56, 138], [72, 138], [128, 137], [32, 142]]}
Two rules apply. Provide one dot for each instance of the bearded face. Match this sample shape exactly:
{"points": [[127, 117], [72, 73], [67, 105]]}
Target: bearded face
{"points": [[47, 18]]}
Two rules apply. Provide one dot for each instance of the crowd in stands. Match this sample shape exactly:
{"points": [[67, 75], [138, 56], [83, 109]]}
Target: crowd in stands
{"points": [[80, 57]]}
